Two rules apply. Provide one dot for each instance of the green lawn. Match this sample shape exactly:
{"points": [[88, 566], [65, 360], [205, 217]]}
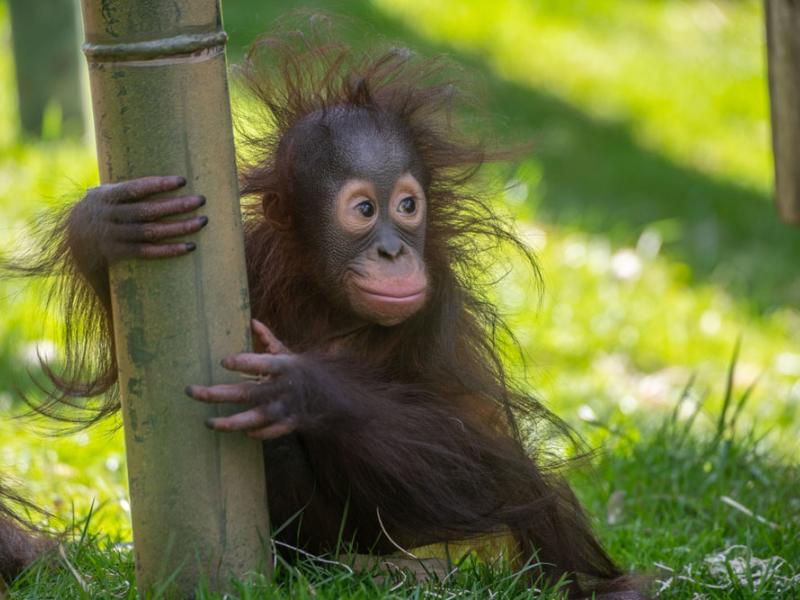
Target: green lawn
{"points": [[648, 198]]}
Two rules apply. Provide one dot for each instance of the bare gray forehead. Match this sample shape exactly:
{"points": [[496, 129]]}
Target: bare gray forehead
{"points": [[353, 142], [366, 146]]}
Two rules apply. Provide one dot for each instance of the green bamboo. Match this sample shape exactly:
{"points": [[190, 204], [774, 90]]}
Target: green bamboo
{"points": [[47, 61], [783, 44], [161, 106]]}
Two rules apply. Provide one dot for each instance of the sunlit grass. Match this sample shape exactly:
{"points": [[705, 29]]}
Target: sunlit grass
{"points": [[69, 475], [622, 330]]}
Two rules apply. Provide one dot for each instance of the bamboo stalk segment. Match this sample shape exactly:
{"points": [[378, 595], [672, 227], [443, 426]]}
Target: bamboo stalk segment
{"points": [[161, 107]]}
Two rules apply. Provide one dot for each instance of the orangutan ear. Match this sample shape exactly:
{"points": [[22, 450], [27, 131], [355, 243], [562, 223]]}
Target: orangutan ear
{"points": [[276, 213]]}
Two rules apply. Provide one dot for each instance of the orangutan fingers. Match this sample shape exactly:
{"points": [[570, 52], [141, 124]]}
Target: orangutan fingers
{"points": [[255, 418], [263, 333], [155, 232], [222, 393], [271, 432], [150, 251], [138, 189], [259, 364], [249, 419], [256, 391], [153, 210]]}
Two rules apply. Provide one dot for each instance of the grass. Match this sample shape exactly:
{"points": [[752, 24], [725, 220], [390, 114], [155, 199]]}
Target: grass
{"points": [[711, 514], [647, 197]]}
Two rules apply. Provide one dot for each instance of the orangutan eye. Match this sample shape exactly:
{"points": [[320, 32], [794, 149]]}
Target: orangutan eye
{"points": [[407, 205], [366, 208]]}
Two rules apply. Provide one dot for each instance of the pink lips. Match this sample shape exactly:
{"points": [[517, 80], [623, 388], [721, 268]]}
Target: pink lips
{"points": [[393, 301], [399, 295]]}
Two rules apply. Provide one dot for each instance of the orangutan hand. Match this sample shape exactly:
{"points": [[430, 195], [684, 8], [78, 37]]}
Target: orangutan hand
{"points": [[270, 387], [123, 220]]}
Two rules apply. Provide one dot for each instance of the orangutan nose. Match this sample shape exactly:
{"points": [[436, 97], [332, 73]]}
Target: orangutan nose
{"points": [[390, 248]]}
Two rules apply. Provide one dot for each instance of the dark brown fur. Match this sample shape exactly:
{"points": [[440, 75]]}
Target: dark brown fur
{"points": [[20, 543], [431, 433]]}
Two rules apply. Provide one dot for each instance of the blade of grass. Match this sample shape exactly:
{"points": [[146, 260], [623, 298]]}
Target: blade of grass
{"points": [[726, 401]]}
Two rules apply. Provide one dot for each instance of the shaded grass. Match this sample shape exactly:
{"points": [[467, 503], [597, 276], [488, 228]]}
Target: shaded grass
{"points": [[711, 510], [680, 497]]}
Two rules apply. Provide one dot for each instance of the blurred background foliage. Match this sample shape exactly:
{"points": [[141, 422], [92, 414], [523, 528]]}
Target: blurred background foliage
{"points": [[646, 195]]}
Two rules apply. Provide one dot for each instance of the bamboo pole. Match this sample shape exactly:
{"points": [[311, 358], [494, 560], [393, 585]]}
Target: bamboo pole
{"points": [[47, 62], [161, 106], [783, 47]]}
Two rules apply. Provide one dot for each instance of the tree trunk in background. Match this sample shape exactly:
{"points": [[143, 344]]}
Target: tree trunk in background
{"points": [[161, 107], [783, 42], [48, 67]]}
